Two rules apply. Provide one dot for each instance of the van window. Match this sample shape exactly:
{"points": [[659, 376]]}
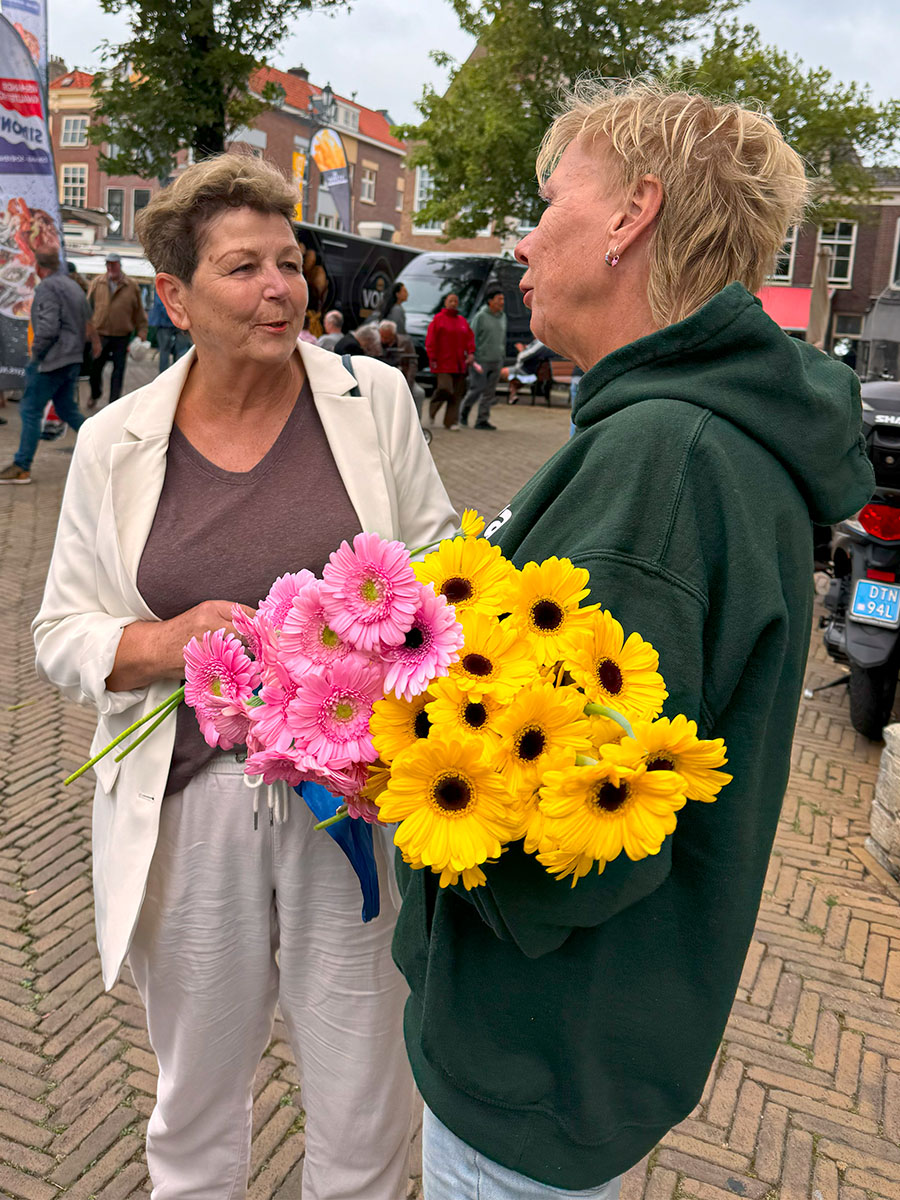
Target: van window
{"points": [[429, 280]]}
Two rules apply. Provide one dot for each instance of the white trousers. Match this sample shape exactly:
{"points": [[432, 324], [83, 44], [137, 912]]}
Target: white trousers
{"points": [[222, 899]]}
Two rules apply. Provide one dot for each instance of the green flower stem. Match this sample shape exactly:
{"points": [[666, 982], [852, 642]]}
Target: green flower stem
{"points": [[179, 695], [583, 760], [600, 710], [338, 816], [427, 546], [159, 720]]}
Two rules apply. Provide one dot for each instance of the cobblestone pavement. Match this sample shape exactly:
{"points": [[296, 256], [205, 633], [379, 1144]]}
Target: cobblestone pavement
{"points": [[803, 1102]]}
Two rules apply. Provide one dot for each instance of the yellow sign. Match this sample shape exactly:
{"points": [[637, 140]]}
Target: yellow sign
{"points": [[327, 151], [299, 170]]}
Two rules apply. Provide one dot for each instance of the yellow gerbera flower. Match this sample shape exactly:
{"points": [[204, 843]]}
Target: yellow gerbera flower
{"points": [[539, 720], [593, 813], [454, 809], [377, 781], [454, 713], [604, 732], [471, 524], [673, 745], [545, 605], [493, 661], [532, 828], [622, 675], [471, 573], [397, 724]]}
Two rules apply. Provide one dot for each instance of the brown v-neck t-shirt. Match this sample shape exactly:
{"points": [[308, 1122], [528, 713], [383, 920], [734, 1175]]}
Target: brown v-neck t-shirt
{"points": [[228, 535]]}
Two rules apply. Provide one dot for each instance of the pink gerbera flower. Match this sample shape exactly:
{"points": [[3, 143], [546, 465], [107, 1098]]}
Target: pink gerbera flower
{"points": [[259, 635], [231, 719], [427, 649], [277, 604], [369, 592], [269, 719], [218, 675], [329, 715], [273, 765], [362, 809], [307, 640]]}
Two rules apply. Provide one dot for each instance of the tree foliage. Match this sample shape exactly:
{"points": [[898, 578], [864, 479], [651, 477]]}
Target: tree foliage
{"points": [[479, 138], [180, 77]]}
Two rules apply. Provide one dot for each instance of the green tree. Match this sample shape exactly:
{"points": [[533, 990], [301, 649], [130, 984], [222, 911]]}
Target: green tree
{"points": [[480, 137], [180, 77]]}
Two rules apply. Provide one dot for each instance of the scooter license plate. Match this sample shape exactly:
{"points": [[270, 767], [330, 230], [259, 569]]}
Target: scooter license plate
{"points": [[876, 604]]}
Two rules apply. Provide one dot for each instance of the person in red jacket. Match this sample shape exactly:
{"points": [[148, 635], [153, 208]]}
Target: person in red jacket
{"points": [[450, 346]]}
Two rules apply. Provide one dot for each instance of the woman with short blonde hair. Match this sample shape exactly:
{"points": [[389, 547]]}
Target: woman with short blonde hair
{"points": [[558, 1033], [254, 455]]}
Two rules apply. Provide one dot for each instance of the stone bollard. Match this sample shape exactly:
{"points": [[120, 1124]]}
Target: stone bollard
{"points": [[883, 842]]}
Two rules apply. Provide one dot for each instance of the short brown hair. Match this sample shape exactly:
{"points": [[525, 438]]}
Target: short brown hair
{"points": [[173, 224], [48, 259], [731, 184]]}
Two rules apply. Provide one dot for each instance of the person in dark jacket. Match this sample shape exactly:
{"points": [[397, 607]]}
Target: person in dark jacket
{"points": [[450, 346], [61, 320], [171, 341], [557, 1033]]}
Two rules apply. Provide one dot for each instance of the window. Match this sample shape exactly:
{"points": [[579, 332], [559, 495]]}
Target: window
{"points": [[141, 198], [894, 281], [115, 206], [326, 220], [847, 331], [783, 271], [424, 192], [398, 203], [367, 183], [839, 238], [74, 131], [74, 185], [347, 117]]}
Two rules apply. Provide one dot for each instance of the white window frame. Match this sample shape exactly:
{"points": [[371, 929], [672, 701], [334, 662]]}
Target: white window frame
{"points": [[894, 281], [120, 232], [368, 181], [74, 131], [68, 186], [788, 279], [424, 188], [347, 117], [400, 198], [833, 280]]}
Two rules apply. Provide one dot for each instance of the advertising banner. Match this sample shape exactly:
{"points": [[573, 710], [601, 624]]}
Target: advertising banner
{"points": [[29, 204], [327, 152], [299, 171], [29, 19]]}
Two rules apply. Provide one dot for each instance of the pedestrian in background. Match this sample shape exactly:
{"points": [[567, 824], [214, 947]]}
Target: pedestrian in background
{"points": [[450, 346], [334, 329], [118, 314], [391, 308], [77, 276], [365, 340], [171, 341], [390, 351], [489, 328], [61, 320]]}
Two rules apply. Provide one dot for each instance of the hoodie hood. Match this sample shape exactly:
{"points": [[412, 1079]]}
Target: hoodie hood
{"points": [[732, 359]]}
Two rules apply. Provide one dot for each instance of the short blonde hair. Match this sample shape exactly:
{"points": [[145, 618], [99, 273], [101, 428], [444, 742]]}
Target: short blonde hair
{"points": [[172, 226], [731, 184]]}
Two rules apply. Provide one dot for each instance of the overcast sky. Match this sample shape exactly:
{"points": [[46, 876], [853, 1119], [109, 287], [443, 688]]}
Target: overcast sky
{"points": [[380, 48]]}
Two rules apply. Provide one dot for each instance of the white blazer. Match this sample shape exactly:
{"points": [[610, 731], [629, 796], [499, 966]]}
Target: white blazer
{"points": [[111, 496]]}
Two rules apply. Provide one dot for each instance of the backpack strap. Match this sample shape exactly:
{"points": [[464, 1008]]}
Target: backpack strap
{"points": [[347, 360]]}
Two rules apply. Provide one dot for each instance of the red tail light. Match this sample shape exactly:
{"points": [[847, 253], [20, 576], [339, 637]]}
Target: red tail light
{"points": [[881, 576], [882, 521]]}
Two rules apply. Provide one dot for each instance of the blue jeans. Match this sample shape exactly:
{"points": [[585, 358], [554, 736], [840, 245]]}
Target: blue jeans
{"points": [[172, 343], [451, 1170], [40, 387]]}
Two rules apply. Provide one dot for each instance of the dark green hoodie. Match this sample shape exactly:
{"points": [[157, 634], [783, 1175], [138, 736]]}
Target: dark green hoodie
{"points": [[562, 1031]]}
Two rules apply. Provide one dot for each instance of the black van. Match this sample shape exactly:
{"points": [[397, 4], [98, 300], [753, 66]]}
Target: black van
{"points": [[347, 272], [434, 273]]}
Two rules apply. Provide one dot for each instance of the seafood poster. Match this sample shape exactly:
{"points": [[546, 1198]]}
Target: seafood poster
{"points": [[29, 204], [29, 19]]}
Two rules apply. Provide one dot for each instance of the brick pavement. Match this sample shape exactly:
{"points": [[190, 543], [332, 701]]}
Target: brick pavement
{"points": [[804, 1099]]}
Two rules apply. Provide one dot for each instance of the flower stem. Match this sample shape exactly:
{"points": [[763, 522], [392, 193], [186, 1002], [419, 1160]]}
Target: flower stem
{"points": [[159, 720], [427, 546], [600, 710], [338, 816], [179, 695]]}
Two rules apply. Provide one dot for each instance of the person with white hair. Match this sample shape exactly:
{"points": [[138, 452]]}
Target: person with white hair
{"points": [[334, 329], [364, 340]]}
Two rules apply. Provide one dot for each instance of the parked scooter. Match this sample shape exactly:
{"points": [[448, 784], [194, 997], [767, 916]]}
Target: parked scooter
{"points": [[862, 629]]}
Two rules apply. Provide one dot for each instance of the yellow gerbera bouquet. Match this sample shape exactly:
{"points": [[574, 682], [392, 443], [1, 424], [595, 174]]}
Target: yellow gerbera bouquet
{"points": [[546, 730]]}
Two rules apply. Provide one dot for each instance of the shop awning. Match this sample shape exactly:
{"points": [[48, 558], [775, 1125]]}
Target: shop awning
{"points": [[787, 306]]}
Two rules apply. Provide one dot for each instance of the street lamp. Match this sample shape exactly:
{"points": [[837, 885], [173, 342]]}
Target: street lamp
{"points": [[323, 110]]}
